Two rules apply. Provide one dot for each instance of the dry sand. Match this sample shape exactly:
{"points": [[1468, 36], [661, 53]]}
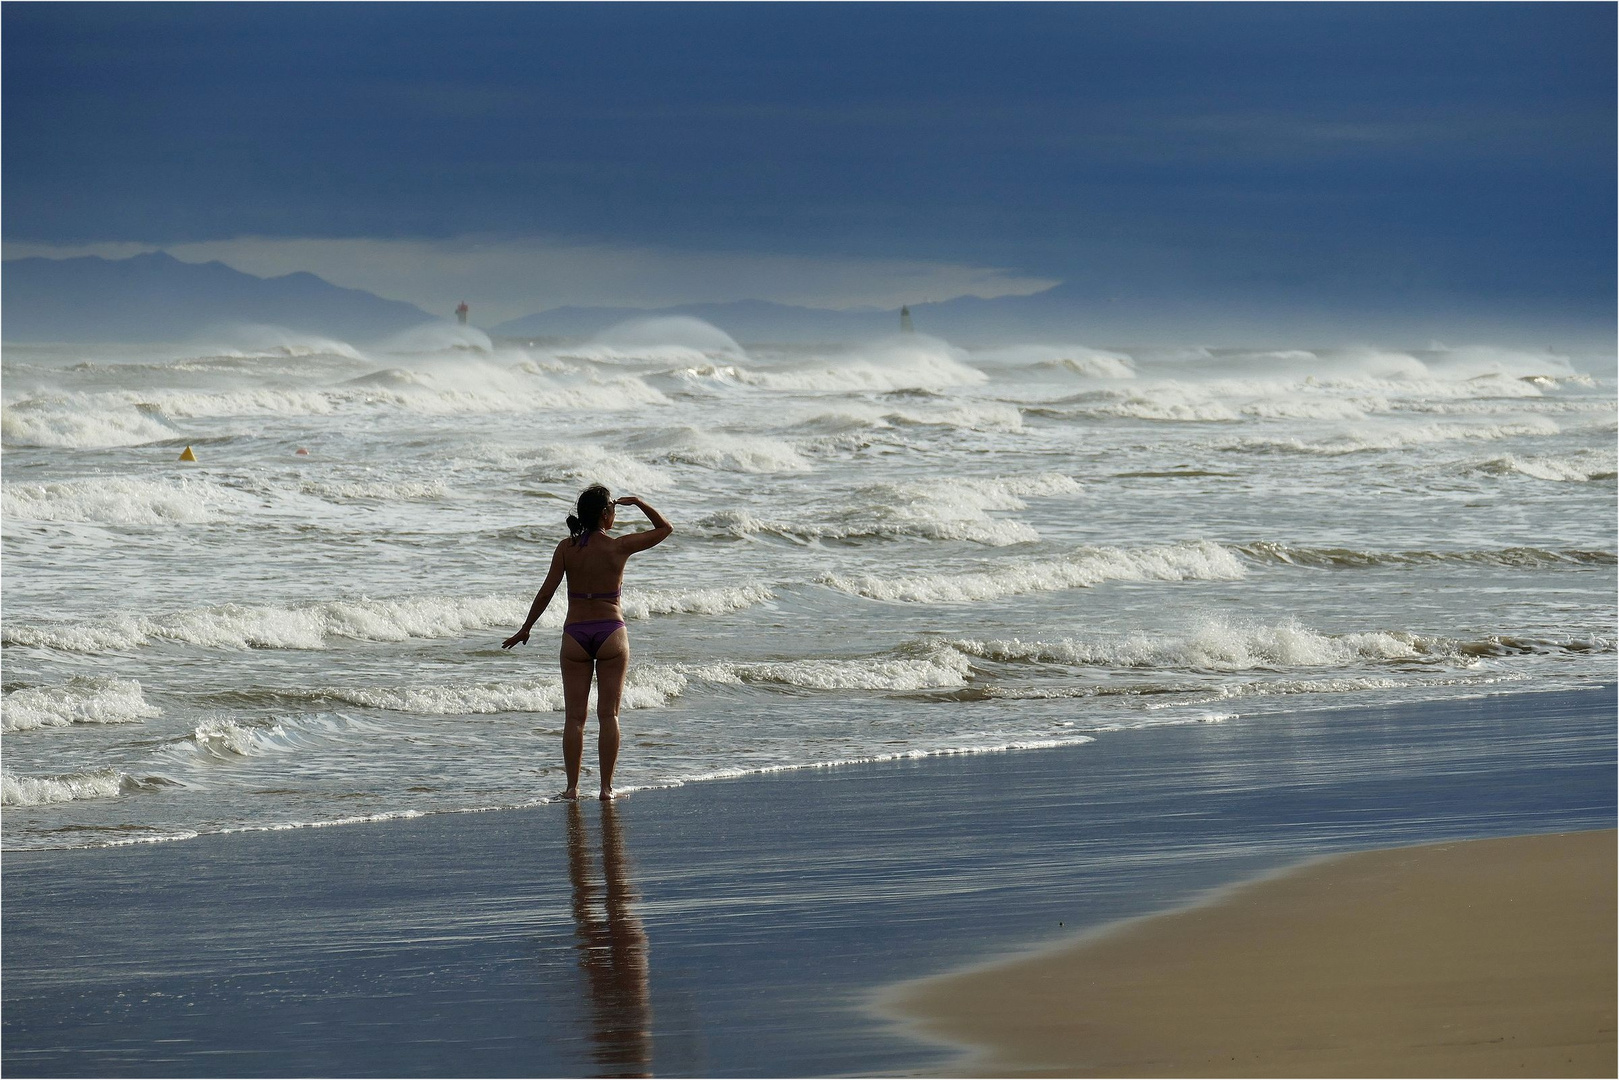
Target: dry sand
{"points": [[1479, 958]]}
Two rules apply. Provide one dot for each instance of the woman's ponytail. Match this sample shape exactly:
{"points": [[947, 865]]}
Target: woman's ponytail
{"points": [[593, 502]]}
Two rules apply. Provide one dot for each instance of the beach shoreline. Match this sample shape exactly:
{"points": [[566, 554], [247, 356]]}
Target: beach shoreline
{"points": [[737, 927], [1484, 957]]}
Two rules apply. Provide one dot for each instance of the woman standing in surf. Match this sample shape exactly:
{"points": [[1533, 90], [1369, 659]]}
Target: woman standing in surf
{"points": [[594, 638]]}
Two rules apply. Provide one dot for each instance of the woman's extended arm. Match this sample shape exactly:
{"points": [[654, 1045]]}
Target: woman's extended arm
{"points": [[542, 599], [642, 540]]}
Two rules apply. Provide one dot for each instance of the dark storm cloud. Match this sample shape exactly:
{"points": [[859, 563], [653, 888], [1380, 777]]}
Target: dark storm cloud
{"points": [[1365, 149]]}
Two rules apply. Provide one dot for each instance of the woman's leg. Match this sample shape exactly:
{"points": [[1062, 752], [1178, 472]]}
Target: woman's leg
{"points": [[612, 662], [576, 671]]}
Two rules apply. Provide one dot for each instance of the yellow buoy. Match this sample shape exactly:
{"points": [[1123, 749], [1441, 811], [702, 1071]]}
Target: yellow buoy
{"points": [[187, 455]]}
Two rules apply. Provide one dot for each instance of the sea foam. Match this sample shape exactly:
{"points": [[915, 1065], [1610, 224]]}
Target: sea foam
{"points": [[1568, 469], [588, 463], [1354, 558], [86, 699], [320, 624], [1213, 645], [127, 418], [120, 500], [847, 415], [640, 603], [952, 508], [940, 669], [342, 491], [912, 363], [1383, 436], [1224, 645], [66, 787], [223, 737], [314, 625], [1195, 561], [646, 687], [725, 451], [74, 421]]}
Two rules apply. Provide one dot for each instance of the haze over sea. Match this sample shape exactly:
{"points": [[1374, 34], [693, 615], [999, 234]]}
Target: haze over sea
{"points": [[905, 547]]}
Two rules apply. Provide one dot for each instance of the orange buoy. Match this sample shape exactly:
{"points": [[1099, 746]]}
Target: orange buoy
{"points": [[301, 450], [187, 455]]}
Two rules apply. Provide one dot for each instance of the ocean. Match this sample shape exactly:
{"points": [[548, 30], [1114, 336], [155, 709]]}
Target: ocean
{"points": [[903, 548]]}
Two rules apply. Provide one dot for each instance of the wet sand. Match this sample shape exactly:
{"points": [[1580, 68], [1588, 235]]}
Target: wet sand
{"points": [[1479, 958], [736, 927]]}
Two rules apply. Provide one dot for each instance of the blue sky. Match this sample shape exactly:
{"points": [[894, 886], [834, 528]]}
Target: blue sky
{"points": [[1362, 157]]}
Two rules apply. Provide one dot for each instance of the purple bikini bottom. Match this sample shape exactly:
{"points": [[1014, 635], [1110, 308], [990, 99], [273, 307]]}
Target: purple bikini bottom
{"points": [[593, 633]]}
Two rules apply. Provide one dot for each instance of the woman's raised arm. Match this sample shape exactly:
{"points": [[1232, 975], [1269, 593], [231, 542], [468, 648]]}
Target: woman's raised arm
{"points": [[660, 531]]}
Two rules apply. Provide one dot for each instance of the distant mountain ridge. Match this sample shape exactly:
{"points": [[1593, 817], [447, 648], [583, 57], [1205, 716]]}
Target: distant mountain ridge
{"points": [[156, 297], [1015, 317]]}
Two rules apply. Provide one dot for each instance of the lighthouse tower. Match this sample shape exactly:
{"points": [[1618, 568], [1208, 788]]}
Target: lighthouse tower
{"points": [[461, 313], [905, 326]]}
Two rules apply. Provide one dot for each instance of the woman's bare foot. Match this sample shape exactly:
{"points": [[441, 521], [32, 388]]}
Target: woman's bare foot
{"points": [[571, 794], [606, 795]]}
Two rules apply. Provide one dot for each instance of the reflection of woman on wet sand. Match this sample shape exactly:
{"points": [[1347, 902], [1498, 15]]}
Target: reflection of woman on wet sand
{"points": [[612, 951], [594, 639]]}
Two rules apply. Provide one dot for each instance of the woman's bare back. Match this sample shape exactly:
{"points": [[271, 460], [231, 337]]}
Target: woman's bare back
{"points": [[594, 566]]}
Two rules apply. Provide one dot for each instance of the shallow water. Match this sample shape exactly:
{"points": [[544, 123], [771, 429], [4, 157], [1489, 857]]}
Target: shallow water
{"points": [[902, 548], [735, 928]]}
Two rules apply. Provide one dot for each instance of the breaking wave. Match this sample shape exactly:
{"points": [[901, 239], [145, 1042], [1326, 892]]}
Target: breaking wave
{"points": [[1196, 561], [378, 490], [1216, 645], [913, 363], [845, 415], [1350, 558], [945, 509], [316, 625], [1388, 437], [1075, 359], [941, 669], [125, 418], [585, 463], [1571, 470], [1220, 645], [716, 600], [72, 787], [647, 687], [225, 740], [225, 737], [84, 700], [300, 626], [72, 421], [724, 451], [873, 543], [120, 500]]}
